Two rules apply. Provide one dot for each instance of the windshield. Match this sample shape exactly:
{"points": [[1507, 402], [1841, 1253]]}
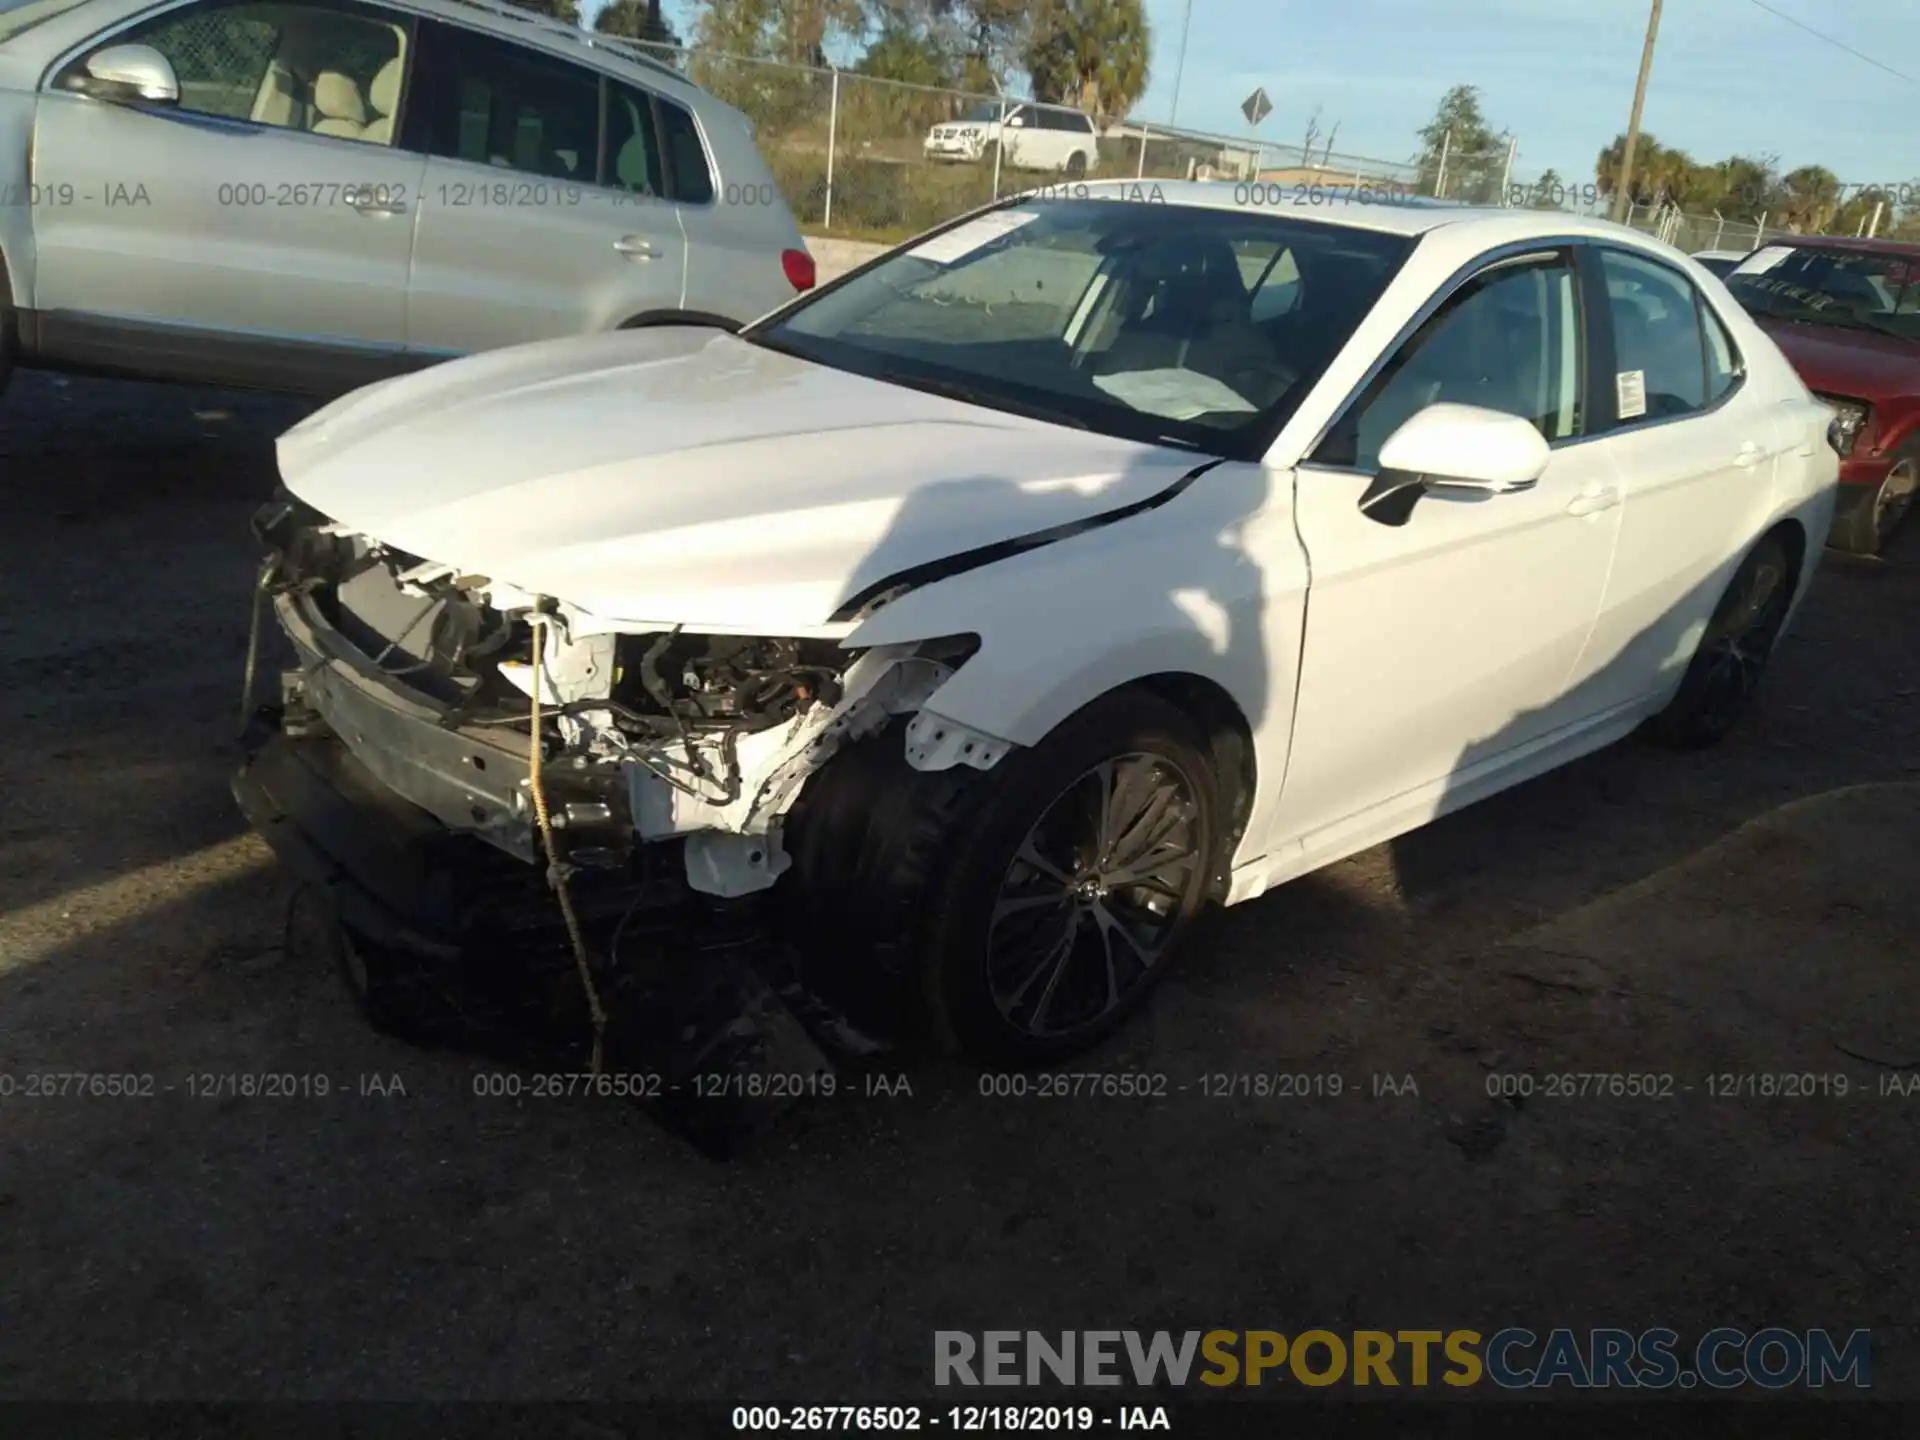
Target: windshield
{"points": [[19, 15], [1848, 289], [979, 114], [1147, 321]]}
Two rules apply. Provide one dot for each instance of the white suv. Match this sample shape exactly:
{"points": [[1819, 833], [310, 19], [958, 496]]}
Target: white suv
{"points": [[1030, 137], [313, 194]]}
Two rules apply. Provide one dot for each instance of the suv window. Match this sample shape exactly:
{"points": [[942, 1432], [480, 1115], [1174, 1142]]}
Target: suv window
{"points": [[1508, 340], [632, 151], [493, 103], [1656, 335], [692, 178], [326, 69]]}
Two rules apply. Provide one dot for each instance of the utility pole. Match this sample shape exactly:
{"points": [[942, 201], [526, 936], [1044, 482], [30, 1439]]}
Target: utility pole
{"points": [[1624, 185], [1180, 66]]}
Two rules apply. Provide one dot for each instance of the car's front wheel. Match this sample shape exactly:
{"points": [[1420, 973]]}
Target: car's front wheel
{"points": [[1020, 914], [1869, 523]]}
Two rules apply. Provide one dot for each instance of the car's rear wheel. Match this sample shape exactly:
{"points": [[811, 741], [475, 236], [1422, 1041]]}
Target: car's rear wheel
{"points": [[1077, 164], [1733, 653], [1021, 914], [1868, 525]]}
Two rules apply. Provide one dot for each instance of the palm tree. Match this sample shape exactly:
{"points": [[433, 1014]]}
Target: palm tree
{"points": [[1090, 53], [1812, 196], [1650, 169], [636, 20], [565, 10]]}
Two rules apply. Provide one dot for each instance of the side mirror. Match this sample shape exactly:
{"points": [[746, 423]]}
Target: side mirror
{"points": [[1016, 122], [127, 75], [1458, 450]]}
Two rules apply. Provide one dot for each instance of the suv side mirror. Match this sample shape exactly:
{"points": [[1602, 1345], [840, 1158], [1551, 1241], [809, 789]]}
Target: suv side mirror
{"points": [[1458, 450], [1016, 121], [127, 75]]}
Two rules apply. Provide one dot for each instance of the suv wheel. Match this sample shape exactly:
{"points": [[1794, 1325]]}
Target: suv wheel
{"points": [[1077, 164]]}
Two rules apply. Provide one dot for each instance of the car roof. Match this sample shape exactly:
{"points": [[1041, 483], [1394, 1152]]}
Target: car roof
{"points": [[1371, 205], [1906, 249]]}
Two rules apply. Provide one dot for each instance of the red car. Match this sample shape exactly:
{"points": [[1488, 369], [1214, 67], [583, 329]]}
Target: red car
{"points": [[1847, 315]]}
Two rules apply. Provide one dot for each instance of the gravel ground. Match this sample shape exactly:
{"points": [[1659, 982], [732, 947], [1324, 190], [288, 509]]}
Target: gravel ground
{"points": [[437, 1245]]}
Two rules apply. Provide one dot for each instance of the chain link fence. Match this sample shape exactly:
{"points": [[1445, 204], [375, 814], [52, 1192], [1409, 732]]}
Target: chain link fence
{"points": [[858, 157], [1692, 232]]}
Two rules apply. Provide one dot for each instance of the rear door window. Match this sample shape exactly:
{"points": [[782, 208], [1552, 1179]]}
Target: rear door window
{"points": [[687, 163], [1659, 351], [491, 103]]}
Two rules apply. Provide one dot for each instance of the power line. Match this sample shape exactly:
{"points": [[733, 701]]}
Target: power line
{"points": [[1837, 44]]}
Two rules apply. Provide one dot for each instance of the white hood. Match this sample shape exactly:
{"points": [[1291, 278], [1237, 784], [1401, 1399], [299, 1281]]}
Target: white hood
{"points": [[684, 476]]}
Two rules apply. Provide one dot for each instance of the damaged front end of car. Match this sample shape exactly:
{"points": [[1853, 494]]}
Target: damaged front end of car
{"points": [[429, 720]]}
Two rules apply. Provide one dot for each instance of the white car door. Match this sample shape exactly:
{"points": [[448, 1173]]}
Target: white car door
{"points": [[527, 230], [1020, 139], [268, 207], [1696, 451], [1438, 650]]}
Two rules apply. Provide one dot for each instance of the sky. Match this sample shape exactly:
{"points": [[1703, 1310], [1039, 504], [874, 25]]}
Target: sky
{"points": [[1728, 76]]}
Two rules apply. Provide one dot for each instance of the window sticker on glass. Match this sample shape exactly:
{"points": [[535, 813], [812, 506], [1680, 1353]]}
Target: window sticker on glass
{"points": [[1631, 386], [1762, 261], [963, 240]]}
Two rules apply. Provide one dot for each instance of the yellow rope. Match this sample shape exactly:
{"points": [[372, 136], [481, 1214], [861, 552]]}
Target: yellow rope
{"points": [[556, 873]]}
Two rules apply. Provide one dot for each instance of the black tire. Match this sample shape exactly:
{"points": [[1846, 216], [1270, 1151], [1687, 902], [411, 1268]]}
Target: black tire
{"points": [[990, 154], [9, 337], [393, 992], [1866, 526], [902, 874], [1077, 165], [1733, 653]]}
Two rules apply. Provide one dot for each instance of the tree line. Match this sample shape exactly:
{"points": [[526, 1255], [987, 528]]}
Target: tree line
{"points": [[1091, 54], [1096, 55], [1462, 149], [1809, 199]]}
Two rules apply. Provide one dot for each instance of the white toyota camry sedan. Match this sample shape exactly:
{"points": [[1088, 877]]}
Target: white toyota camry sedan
{"points": [[974, 621]]}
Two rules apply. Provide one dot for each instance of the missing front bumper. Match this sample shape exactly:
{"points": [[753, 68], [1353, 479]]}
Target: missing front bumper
{"points": [[700, 995]]}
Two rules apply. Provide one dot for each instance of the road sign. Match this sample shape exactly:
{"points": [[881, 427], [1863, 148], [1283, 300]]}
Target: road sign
{"points": [[1256, 107]]}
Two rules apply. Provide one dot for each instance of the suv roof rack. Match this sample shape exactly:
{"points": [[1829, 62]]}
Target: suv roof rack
{"points": [[559, 29], [637, 51]]}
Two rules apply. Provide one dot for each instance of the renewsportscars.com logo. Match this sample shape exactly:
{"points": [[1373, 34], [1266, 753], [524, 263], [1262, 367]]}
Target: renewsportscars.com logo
{"points": [[1511, 1359]]}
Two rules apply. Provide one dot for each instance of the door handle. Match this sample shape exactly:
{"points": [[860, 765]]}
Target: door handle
{"points": [[372, 202], [1592, 502], [636, 247], [1748, 456]]}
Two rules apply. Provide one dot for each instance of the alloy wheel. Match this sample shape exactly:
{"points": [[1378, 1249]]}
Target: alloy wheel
{"points": [[1742, 638], [1894, 498], [1095, 895]]}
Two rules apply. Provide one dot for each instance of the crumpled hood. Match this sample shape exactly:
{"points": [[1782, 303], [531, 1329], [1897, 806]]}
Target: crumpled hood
{"points": [[1856, 363], [685, 476]]}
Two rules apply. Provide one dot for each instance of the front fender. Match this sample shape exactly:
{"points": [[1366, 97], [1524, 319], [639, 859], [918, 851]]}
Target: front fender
{"points": [[1213, 583]]}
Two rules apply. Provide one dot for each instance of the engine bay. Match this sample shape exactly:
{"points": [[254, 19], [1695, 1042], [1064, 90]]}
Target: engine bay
{"points": [[651, 735]]}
